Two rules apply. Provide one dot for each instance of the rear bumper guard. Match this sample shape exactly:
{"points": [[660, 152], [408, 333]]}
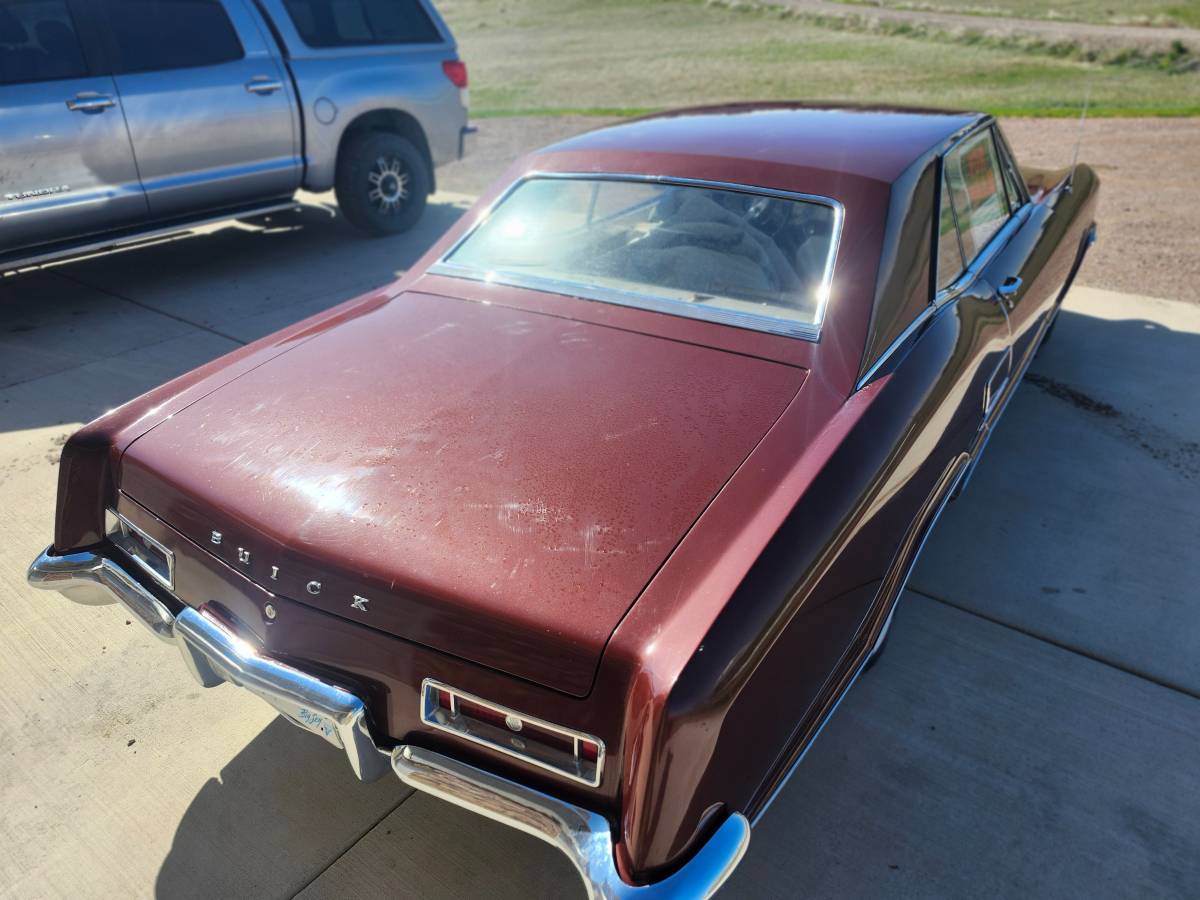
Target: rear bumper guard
{"points": [[214, 654]]}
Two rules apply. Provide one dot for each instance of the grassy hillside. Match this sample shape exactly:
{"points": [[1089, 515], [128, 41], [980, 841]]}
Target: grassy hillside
{"points": [[550, 56]]}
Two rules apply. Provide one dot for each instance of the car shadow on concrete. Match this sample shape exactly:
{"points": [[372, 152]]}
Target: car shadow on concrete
{"points": [[287, 814], [1086, 502], [278, 813], [83, 336], [286, 809]]}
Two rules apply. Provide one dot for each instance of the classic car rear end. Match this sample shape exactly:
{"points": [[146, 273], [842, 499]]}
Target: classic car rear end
{"points": [[590, 520]]}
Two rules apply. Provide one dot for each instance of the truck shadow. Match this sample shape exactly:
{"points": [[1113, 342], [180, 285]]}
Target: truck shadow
{"points": [[83, 336]]}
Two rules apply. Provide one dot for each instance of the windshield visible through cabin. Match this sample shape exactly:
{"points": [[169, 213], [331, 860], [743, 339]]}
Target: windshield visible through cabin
{"points": [[746, 258]]}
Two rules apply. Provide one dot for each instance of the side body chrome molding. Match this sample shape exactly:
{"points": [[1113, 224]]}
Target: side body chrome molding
{"points": [[215, 654]]}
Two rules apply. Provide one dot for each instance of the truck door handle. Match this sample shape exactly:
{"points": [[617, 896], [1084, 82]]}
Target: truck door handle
{"points": [[263, 85], [88, 102]]}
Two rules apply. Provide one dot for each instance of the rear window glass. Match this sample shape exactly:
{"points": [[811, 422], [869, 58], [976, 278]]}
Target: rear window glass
{"points": [[744, 258], [38, 43], [346, 23], [152, 35]]}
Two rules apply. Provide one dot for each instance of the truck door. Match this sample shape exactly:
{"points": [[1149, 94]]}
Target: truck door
{"points": [[209, 105], [66, 167]]}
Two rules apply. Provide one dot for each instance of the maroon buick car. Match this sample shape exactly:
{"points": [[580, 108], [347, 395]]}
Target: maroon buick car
{"points": [[589, 521]]}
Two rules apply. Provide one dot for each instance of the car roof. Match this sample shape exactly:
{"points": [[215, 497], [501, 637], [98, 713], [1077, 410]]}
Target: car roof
{"points": [[868, 142]]}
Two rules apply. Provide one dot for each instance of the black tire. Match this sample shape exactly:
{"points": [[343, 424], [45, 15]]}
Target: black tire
{"points": [[382, 183]]}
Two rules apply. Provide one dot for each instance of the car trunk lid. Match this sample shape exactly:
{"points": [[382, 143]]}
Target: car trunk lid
{"points": [[493, 483]]}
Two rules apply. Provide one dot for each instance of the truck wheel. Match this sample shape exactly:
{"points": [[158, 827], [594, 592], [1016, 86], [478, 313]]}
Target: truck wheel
{"points": [[382, 183]]}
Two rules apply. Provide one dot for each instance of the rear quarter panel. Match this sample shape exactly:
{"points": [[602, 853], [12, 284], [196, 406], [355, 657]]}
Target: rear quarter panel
{"points": [[802, 619], [407, 78]]}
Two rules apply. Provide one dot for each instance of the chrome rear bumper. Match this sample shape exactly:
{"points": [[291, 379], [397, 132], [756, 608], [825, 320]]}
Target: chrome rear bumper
{"points": [[214, 654]]}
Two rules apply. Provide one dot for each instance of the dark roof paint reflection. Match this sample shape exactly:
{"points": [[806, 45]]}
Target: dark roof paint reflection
{"points": [[870, 142]]}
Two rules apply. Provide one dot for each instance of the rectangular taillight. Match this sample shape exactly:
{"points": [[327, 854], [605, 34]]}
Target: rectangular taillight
{"points": [[456, 71], [563, 751], [153, 557]]}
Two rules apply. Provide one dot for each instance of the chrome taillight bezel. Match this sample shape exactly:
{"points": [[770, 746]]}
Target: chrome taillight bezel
{"points": [[121, 533], [453, 720]]}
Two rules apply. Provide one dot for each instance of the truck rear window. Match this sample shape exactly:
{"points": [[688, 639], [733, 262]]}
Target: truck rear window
{"points": [[741, 256], [349, 23]]}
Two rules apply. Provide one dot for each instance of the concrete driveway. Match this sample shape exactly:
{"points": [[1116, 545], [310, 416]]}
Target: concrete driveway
{"points": [[1031, 731]]}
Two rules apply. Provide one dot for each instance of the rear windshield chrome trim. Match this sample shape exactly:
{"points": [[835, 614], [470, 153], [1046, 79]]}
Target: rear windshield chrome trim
{"points": [[772, 324]]}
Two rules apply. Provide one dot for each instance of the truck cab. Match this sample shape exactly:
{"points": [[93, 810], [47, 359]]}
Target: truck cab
{"points": [[125, 118]]}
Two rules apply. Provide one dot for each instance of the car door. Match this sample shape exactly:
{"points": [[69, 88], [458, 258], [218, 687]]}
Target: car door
{"points": [[66, 166], [1000, 233], [1023, 270], [985, 331], [210, 109]]}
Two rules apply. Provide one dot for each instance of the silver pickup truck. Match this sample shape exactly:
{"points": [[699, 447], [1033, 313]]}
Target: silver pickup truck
{"points": [[121, 119]]}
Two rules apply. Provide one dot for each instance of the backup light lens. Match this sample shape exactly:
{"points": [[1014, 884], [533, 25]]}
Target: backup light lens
{"points": [[155, 559], [562, 751]]}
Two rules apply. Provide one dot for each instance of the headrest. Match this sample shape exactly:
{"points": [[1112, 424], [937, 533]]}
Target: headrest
{"points": [[11, 29]]}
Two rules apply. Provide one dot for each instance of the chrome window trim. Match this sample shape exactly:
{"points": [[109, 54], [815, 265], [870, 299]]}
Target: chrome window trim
{"points": [[649, 302], [921, 318], [168, 555], [431, 686], [1010, 162]]}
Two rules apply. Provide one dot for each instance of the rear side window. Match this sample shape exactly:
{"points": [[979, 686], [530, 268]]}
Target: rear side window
{"points": [[38, 42], [348, 23], [949, 261], [976, 188], [150, 35]]}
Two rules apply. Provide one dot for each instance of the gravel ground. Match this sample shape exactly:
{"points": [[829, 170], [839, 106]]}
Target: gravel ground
{"points": [[1150, 187]]}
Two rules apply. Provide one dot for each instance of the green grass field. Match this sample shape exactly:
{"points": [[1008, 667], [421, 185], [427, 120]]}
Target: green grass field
{"points": [[1100, 12], [624, 56]]}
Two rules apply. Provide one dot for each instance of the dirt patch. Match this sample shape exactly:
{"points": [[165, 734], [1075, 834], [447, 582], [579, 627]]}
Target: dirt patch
{"points": [[1181, 456], [1149, 196], [1103, 39], [1149, 213], [1078, 399]]}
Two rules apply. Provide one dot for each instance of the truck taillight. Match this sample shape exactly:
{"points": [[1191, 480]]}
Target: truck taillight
{"points": [[560, 750], [456, 71]]}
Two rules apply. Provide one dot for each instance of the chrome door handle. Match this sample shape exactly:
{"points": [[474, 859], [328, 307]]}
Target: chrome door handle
{"points": [[1011, 285], [1007, 292], [89, 101], [262, 85]]}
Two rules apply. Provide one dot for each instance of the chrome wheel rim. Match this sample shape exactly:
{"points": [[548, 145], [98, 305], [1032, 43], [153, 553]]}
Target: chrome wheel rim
{"points": [[388, 180]]}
